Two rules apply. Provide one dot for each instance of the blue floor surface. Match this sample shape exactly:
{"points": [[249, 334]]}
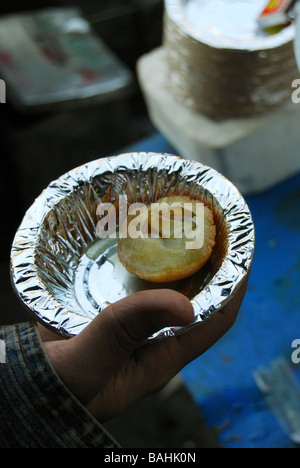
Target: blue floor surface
{"points": [[222, 381]]}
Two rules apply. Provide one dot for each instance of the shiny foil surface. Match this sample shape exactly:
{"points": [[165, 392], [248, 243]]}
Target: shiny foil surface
{"points": [[222, 63], [66, 275]]}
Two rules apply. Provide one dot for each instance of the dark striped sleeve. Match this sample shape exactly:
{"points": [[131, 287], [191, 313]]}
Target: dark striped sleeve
{"points": [[36, 408]]}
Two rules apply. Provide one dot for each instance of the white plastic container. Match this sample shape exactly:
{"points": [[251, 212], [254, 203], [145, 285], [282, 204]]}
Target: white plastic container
{"points": [[254, 153]]}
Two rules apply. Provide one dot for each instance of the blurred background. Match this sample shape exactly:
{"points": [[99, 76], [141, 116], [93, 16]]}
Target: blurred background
{"points": [[38, 146], [216, 401]]}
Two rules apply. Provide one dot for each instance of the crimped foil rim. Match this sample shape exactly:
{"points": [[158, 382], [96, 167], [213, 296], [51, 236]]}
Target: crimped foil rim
{"points": [[235, 266]]}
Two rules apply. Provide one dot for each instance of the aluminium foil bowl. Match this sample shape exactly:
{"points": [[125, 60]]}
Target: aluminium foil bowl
{"points": [[66, 275]]}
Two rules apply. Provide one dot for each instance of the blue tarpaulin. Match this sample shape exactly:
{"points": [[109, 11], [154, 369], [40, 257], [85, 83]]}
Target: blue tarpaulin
{"points": [[221, 381]]}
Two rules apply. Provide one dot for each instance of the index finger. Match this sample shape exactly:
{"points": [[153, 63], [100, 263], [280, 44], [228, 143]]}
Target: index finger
{"points": [[170, 356], [200, 338]]}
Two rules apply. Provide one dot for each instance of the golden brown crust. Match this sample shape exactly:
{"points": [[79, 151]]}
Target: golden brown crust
{"points": [[161, 259]]}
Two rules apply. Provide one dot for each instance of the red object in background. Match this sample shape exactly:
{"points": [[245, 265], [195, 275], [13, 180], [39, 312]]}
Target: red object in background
{"points": [[276, 13], [50, 55], [276, 6], [5, 58], [277, 9], [89, 75]]}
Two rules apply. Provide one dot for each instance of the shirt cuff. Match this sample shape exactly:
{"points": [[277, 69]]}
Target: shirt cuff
{"points": [[36, 409]]}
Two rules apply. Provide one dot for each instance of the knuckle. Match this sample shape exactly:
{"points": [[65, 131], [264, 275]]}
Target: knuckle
{"points": [[123, 338]]}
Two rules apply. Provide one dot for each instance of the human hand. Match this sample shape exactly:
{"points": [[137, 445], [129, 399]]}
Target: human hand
{"points": [[108, 366]]}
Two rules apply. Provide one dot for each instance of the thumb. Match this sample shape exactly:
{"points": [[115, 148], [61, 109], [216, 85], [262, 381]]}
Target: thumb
{"points": [[116, 333], [122, 327]]}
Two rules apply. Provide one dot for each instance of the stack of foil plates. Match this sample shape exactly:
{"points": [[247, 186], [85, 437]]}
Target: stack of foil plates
{"points": [[221, 63]]}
